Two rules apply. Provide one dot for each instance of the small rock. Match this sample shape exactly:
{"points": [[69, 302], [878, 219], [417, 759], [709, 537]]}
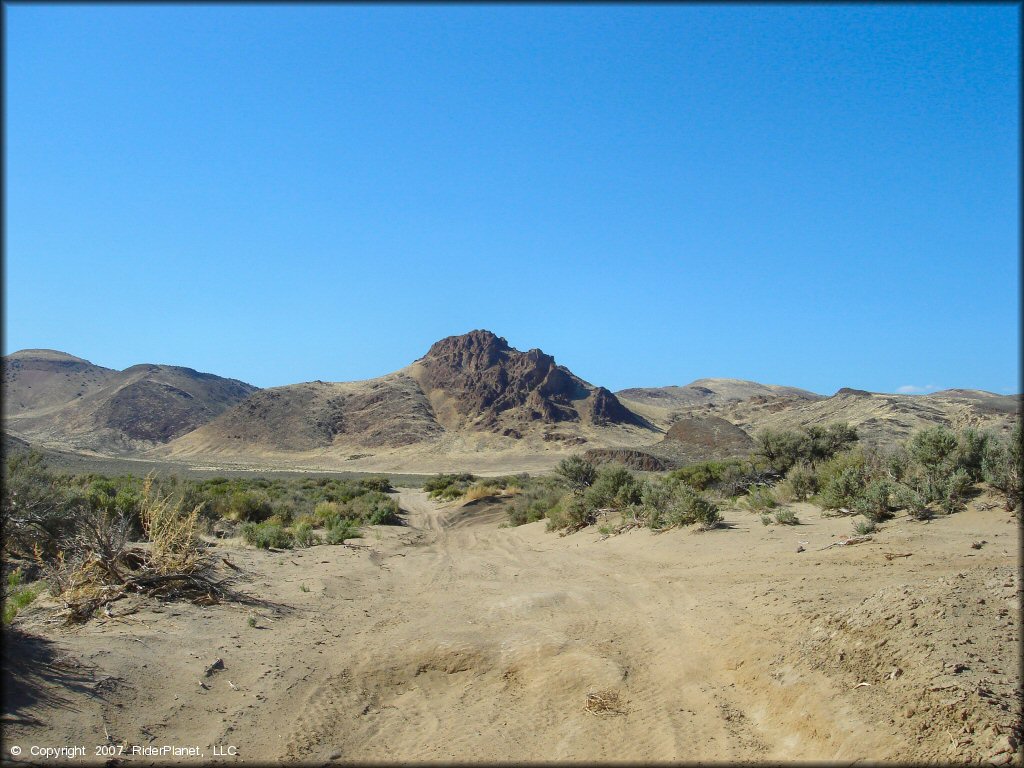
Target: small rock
{"points": [[1001, 759], [217, 665], [1003, 743], [799, 549]]}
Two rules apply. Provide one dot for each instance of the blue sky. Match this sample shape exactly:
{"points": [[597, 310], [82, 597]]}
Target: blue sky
{"points": [[819, 196]]}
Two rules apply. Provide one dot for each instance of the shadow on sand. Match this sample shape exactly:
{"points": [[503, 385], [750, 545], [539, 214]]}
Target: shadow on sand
{"points": [[38, 674]]}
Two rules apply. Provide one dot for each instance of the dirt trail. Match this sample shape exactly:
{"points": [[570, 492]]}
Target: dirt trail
{"points": [[454, 638]]}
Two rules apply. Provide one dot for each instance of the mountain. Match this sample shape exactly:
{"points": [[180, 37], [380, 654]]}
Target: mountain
{"points": [[61, 401], [40, 380], [468, 395], [665, 405], [881, 417], [471, 402]]}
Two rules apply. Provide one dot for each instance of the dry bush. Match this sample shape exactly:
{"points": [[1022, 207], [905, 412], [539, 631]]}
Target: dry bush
{"points": [[480, 491], [96, 567], [174, 534]]}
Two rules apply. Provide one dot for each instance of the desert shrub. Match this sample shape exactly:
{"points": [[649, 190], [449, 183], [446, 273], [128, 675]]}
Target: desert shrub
{"points": [[864, 527], [266, 535], [342, 529], [448, 486], [326, 511], [34, 507], [1002, 466], [766, 519], [481, 490], [578, 514], [249, 506], [958, 483], [739, 477], [689, 507], [970, 453], [534, 503], [304, 536], [613, 487], [934, 451], [374, 508], [17, 595], [670, 502], [905, 497], [800, 483], [708, 474], [782, 449], [785, 516], [577, 473], [379, 484], [874, 502], [761, 497], [173, 532], [842, 490]]}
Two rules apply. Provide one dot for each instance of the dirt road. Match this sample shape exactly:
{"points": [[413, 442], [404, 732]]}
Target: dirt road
{"points": [[454, 638]]}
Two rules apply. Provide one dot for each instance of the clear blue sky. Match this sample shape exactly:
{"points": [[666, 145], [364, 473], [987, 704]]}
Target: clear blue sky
{"points": [[820, 196]]}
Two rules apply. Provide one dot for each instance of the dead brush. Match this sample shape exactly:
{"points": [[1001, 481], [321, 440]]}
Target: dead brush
{"points": [[604, 703], [96, 567]]}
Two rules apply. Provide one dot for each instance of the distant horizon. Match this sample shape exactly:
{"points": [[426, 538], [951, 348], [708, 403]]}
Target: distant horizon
{"points": [[822, 196], [927, 390]]}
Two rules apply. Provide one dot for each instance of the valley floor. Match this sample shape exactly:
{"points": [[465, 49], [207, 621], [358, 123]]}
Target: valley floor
{"points": [[455, 639]]}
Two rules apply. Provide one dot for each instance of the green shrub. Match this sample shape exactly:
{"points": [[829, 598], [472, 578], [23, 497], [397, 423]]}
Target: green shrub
{"points": [[249, 506], [1002, 466], [957, 485], [761, 498], [786, 516], [327, 510], [670, 502], [304, 536], [342, 529], [17, 596], [970, 453], [373, 508], [534, 503], [782, 449], [874, 503], [267, 535], [934, 450], [905, 497], [709, 474], [613, 487], [801, 483], [864, 527], [577, 473], [448, 486], [379, 484]]}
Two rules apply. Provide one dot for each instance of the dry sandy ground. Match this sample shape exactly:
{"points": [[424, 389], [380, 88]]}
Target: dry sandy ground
{"points": [[455, 639]]}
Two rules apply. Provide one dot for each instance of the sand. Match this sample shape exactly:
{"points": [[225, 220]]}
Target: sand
{"points": [[456, 639]]}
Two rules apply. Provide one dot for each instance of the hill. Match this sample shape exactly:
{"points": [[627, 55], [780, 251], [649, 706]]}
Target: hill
{"points": [[59, 401], [469, 398]]}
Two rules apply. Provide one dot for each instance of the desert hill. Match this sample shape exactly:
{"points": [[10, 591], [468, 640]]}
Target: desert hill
{"points": [[471, 402], [60, 401], [710, 390], [878, 417], [468, 395], [38, 380]]}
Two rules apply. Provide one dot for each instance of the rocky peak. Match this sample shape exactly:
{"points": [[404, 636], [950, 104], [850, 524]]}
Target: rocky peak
{"points": [[491, 383]]}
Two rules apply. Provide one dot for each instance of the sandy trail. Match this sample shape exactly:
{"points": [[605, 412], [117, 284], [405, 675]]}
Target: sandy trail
{"points": [[453, 638]]}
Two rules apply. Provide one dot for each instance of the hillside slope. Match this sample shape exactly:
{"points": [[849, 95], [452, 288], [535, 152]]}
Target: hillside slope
{"points": [[63, 402], [472, 399]]}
